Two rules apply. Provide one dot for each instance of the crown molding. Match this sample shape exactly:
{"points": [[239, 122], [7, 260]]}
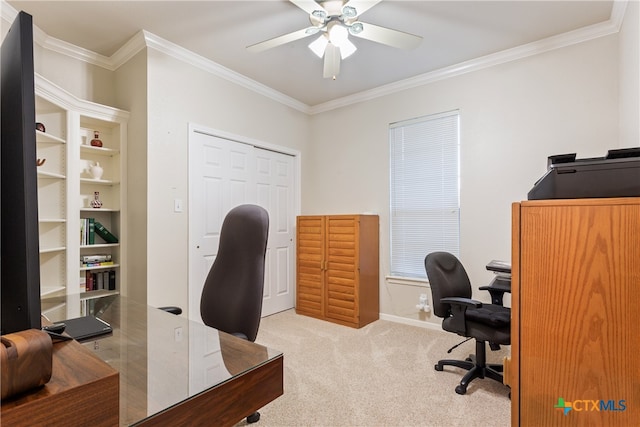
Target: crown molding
{"points": [[7, 12], [205, 64], [144, 39]]}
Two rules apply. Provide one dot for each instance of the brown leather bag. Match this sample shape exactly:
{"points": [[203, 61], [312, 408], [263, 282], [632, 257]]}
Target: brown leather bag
{"points": [[25, 361]]}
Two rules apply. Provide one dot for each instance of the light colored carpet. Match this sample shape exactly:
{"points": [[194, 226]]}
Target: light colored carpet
{"points": [[380, 375]]}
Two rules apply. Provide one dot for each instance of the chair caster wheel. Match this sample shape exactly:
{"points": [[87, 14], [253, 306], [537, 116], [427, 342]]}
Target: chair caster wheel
{"points": [[253, 418], [438, 367], [460, 389]]}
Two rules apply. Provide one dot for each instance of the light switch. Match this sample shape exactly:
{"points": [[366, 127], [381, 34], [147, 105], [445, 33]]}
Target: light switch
{"points": [[177, 205]]}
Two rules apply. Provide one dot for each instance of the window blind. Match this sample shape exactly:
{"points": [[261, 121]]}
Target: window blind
{"points": [[424, 183]]}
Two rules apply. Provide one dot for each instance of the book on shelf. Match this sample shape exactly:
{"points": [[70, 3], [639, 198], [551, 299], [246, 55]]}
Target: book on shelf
{"points": [[89, 281], [87, 231], [105, 234], [100, 280], [97, 264], [95, 258]]}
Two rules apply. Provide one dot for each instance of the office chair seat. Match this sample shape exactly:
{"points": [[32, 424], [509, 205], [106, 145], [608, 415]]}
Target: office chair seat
{"points": [[491, 323]]}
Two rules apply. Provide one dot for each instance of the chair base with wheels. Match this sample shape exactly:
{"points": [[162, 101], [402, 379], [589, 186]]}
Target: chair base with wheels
{"points": [[476, 365]]}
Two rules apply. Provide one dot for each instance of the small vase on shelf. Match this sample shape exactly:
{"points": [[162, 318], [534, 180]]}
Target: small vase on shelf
{"points": [[96, 170], [95, 142], [96, 202]]}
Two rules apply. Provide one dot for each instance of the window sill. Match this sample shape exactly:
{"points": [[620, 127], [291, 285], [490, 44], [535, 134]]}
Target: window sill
{"points": [[407, 281]]}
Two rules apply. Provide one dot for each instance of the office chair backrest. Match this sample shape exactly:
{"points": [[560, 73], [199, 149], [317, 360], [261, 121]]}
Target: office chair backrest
{"points": [[447, 278], [232, 295]]}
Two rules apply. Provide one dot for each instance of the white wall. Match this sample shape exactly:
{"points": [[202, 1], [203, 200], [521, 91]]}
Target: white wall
{"points": [[512, 117], [179, 93], [131, 95], [630, 76]]}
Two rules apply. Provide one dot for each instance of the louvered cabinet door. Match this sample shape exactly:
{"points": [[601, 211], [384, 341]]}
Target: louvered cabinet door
{"points": [[342, 269], [310, 243]]}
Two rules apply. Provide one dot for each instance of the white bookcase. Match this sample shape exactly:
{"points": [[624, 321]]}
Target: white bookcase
{"points": [[65, 190]]}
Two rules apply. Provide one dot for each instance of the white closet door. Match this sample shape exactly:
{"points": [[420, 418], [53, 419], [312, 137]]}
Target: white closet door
{"points": [[224, 174], [275, 191]]}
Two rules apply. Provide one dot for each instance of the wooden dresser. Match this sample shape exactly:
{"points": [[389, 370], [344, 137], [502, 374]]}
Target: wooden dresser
{"points": [[337, 268], [575, 307]]}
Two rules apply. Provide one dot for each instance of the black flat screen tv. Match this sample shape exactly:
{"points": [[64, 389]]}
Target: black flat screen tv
{"points": [[20, 254]]}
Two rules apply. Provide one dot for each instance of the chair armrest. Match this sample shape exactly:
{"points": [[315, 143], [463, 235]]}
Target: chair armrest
{"points": [[497, 289], [459, 308], [172, 310], [464, 302]]}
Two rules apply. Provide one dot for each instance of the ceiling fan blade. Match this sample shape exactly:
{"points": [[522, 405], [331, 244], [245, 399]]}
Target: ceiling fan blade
{"points": [[308, 6], [280, 40], [361, 6], [388, 36], [331, 61]]}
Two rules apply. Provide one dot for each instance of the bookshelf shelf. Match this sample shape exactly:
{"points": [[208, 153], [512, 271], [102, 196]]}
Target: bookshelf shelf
{"points": [[97, 294], [51, 250], [98, 181], [98, 151], [99, 245], [50, 175], [45, 138], [52, 220], [101, 267], [49, 290]]}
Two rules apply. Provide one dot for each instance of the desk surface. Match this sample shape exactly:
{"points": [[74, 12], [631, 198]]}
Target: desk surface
{"points": [[166, 360]]}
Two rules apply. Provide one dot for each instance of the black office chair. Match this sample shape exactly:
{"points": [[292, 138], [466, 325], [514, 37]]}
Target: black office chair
{"points": [[232, 295], [451, 293]]}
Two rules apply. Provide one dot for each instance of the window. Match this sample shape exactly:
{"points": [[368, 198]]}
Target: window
{"points": [[425, 202]]}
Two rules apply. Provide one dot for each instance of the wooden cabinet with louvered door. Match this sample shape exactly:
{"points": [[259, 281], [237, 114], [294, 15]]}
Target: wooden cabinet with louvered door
{"points": [[338, 268]]}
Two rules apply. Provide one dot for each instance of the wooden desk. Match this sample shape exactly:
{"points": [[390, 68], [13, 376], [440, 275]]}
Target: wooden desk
{"points": [[177, 372]]}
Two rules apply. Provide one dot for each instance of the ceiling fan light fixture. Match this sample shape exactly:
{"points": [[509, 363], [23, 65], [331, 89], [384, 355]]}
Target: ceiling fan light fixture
{"points": [[319, 45], [349, 12], [320, 14], [338, 35], [356, 28]]}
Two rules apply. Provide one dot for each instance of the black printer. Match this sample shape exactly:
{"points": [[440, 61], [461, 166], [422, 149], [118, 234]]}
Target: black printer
{"points": [[615, 175]]}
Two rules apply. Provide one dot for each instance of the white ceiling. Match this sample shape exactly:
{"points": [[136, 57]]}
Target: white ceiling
{"points": [[453, 32]]}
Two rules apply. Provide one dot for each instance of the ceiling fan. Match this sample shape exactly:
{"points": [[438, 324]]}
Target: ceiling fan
{"points": [[334, 21]]}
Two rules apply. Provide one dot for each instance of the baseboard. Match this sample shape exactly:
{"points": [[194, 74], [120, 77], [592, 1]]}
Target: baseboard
{"points": [[411, 322]]}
